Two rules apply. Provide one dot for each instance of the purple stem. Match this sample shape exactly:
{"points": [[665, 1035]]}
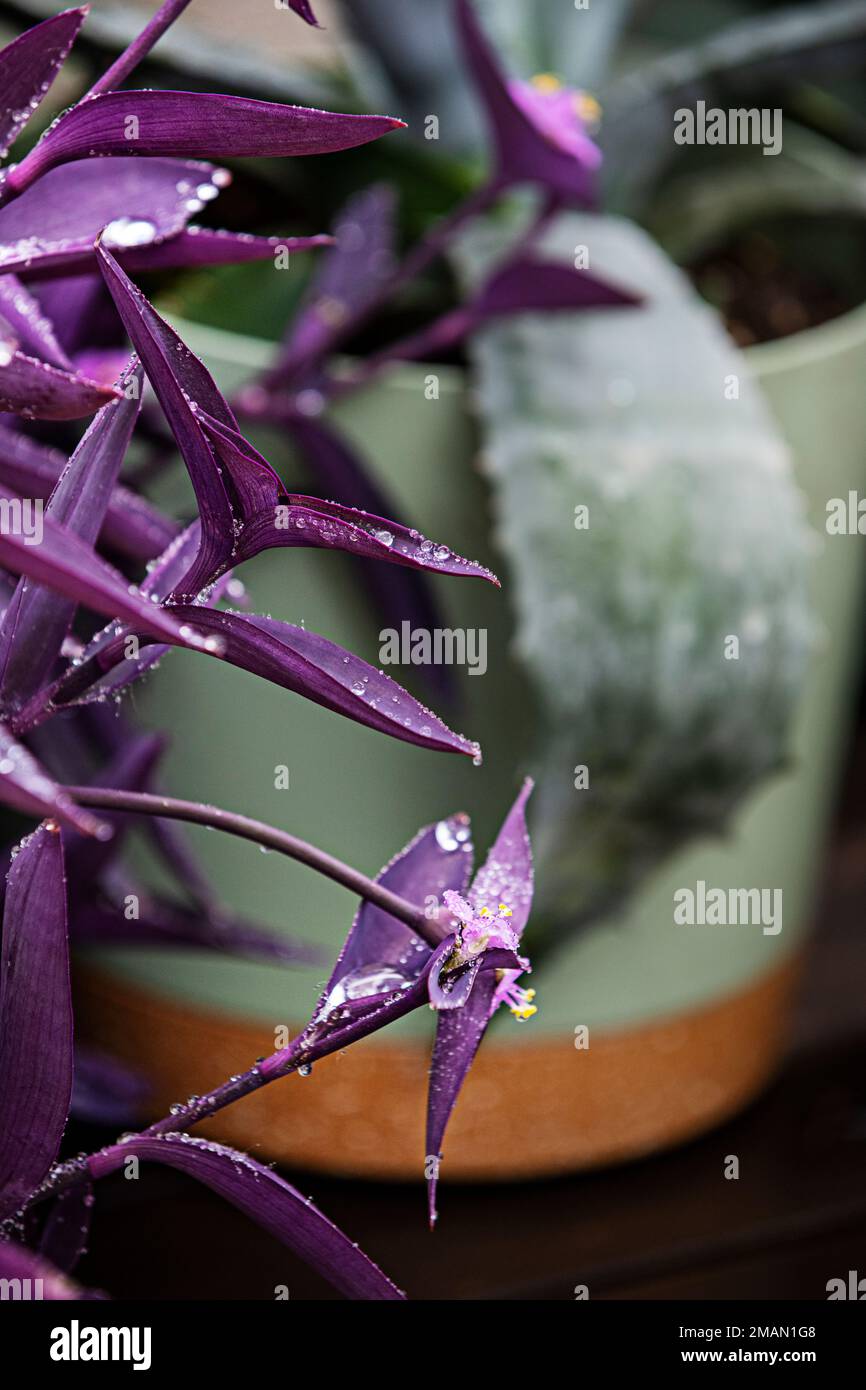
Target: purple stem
{"points": [[139, 48], [431, 246], [172, 808], [299, 1054]]}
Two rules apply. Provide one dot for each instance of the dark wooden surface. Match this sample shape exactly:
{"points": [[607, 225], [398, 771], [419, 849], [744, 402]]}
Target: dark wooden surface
{"points": [[667, 1227]]}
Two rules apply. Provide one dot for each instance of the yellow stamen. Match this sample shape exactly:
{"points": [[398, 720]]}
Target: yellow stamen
{"points": [[546, 82], [525, 1008], [505, 911], [524, 1013], [587, 108]]}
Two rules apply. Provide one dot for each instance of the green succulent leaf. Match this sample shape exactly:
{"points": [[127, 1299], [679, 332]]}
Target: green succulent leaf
{"points": [[694, 535]]}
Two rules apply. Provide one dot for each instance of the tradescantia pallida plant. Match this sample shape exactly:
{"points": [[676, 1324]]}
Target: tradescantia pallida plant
{"points": [[107, 193]]}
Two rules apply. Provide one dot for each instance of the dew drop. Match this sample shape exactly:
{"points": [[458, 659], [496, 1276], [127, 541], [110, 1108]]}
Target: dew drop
{"points": [[129, 231]]}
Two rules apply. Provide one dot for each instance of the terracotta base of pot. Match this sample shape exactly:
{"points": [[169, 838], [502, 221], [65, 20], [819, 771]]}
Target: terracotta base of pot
{"points": [[529, 1108]]}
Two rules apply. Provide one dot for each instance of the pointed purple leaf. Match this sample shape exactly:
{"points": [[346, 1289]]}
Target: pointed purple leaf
{"points": [[312, 666], [181, 381], [39, 391], [200, 246], [524, 285], [527, 284], [137, 203], [205, 125], [26, 787], [458, 1036], [270, 517], [305, 10], [28, 66], [506, 877], [38, 619], [35, 1018], [538, 136], [268, 1199]]}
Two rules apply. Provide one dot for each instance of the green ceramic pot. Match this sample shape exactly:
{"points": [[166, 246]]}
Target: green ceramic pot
{"points": [[362, 795]]}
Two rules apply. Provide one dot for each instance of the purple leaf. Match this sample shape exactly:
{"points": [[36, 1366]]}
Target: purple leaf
{"points": [[305, 10], [45, 1282], [243, 505], [289, 656], [526, 284], [181, 381], [26, 787], [198, 246], [271, 517], [537, 130], [268, 1199], [506, 877], [381, 954], [65, 1233], [63, 562], [35, 1018], [37, 620], [203, 124], [30, 328], [347, 280], [136, 203], [28, 66], [132, 526], [38, 391], [312, 666], [458, 1036]]}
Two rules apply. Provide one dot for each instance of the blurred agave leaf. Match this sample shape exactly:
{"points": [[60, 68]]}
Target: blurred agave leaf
{"points": [[746, 62], [696, 531]]}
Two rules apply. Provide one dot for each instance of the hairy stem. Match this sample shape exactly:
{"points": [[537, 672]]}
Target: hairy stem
{"points": [[139, 48], [171, 808]]}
